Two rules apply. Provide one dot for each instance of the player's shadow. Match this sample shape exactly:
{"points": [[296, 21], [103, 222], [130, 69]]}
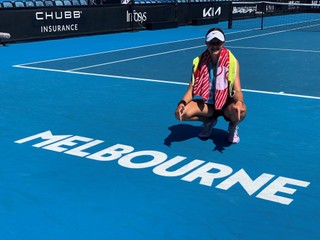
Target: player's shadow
{"points": [[183, 132]]}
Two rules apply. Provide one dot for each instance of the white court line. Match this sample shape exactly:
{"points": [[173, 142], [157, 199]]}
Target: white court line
{"points": [[130, 48], [277, 49], [143, 46], [163, 43], [182, 49], [282, 94], [162, 53], [135, 58], [166, 82], [104, 52]]}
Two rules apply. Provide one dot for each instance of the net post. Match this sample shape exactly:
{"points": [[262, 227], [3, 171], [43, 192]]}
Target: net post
{"points": [[230, 15], [263, 6]]}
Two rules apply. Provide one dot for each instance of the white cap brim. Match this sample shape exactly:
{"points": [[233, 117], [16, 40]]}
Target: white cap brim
{"points": [[215, 34]]}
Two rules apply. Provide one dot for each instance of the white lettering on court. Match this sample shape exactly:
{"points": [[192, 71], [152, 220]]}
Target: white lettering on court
{"points": [[205, 173]]}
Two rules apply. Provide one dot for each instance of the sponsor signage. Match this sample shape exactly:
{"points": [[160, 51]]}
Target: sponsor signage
{"points": [[58, 21], [54, 22], [210, 10], [143, 14], [244, 10], [43, 23]]}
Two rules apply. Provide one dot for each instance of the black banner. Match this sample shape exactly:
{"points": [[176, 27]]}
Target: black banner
{"points": [[44, 23], [55, 22], [145, 13], [190, 11], [245, 10]]}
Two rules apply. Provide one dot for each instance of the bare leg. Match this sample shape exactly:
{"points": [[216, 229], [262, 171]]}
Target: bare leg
{"points": [[197, 110], [235, 117]]}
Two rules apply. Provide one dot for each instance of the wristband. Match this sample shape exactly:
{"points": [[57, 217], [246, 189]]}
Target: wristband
{"points": [[183, 102]]}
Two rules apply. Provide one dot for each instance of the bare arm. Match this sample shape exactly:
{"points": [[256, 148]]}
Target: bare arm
{"points": [[238, 95], [238, 98], [188, 96]]}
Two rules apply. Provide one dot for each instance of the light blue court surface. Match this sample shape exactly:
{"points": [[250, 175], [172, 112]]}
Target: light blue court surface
{"points": [[112, 162]]}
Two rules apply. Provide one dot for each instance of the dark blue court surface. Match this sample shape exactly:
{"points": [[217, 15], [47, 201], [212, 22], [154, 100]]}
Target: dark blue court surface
{"points": [[91, 148]]}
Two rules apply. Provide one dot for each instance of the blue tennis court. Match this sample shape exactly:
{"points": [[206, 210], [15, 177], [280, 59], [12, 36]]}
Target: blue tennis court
{"points": [[91, 148]]}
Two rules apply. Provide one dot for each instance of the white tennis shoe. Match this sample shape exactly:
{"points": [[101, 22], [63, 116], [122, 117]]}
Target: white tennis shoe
{"points": [[233, 134], [207, 128]]}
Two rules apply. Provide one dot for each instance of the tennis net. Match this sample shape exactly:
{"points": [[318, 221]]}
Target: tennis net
{"points": [[275, 15]]}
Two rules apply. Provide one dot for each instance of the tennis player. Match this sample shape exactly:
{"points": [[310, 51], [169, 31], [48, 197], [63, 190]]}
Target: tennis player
{"points": [[214, 89]]}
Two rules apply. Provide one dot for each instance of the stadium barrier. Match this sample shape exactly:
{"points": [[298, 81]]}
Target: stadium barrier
{"points": [[41, 22]]}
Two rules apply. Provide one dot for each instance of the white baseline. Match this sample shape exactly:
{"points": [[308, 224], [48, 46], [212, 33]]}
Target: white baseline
{"points": [[75, 70]]}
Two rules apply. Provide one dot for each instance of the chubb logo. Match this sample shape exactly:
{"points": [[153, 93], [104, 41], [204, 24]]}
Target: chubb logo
{"points": [[136, 16], [211, 12], [58, 15]]}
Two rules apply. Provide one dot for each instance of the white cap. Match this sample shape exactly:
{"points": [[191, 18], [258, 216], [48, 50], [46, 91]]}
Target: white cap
{"points": [[215, 34]]}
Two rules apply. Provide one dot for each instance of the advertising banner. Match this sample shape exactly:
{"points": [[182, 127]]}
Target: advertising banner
{"points": [[210, 10], [44, 23], [146, 13], [25, 24]]}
